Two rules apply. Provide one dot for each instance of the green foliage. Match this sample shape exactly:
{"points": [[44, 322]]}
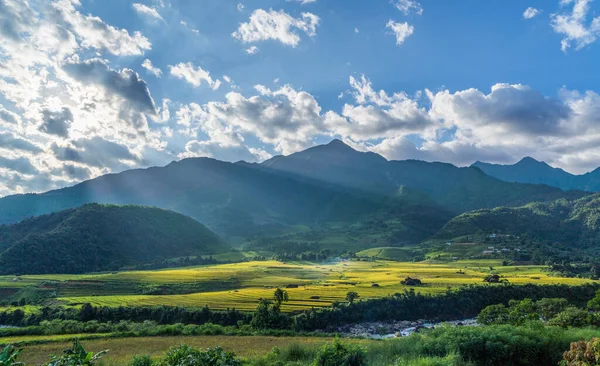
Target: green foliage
{"points": [[594, 303], [574, 317], [550, 308], [269, 316], [556, 312], [280, 296], [8, 356], [493, 314], [522, 311], [187, 356], [142, 360], [76, 356], [340, 354], [101, 237], [351, 296]]}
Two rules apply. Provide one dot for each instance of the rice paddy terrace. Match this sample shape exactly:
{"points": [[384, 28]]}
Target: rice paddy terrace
{"points": [[241, 285]]}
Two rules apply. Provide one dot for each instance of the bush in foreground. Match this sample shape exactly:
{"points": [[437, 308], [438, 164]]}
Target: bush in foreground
{"points": [[340, 354]]}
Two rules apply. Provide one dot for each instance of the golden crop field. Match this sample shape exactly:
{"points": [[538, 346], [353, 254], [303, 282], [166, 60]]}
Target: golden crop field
{"points": [[241, 285]]}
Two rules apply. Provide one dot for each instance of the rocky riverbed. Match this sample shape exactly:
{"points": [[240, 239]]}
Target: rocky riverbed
{"points": [[381, 330]]}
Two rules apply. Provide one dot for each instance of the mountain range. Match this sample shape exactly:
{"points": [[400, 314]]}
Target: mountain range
{"points": [[326, 183], [529, 170]]}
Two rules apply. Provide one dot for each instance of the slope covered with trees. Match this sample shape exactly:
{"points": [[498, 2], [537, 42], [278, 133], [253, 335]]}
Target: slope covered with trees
{"points": [[101, 237], [561, 223]]}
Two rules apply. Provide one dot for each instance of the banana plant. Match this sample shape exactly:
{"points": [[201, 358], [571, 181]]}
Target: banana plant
{"points": [[76, 356], [9, 355]]}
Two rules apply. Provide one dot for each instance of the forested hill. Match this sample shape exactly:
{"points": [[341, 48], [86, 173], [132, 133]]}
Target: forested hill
{"points": [[561, 223], [101, 237]]}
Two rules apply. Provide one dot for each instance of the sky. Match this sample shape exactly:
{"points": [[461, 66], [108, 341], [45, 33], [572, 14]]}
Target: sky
{"points": [[90, 87]]}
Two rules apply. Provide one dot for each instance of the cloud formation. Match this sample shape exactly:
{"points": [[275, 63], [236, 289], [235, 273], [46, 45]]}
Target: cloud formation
{"points": [[194, 75], [401, 30], [574, 25], [530, 13], [408, 6], [147, 11], [274, 25]]}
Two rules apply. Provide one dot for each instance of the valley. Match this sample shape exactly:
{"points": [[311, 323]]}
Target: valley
{"points": [[272, 260], [242, 285]]}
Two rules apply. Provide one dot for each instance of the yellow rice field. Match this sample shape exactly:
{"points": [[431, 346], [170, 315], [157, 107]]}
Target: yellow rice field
{"points": [[309, 284]]}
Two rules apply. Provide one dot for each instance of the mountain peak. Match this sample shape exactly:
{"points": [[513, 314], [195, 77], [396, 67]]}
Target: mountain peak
{"points": [[337, 143], [529, 160]]}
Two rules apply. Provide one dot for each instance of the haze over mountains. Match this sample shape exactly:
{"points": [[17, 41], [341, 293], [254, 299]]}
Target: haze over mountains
{"points": [[327, 183], [529, 170]]}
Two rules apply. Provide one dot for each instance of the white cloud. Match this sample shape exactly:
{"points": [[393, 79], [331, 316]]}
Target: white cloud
{"points": [[147, 11], [401, 30], [93, 32], [188, 27], [240, 6], [356, 30], [408, 6], [530, 13], [304, 2], [194, 75], [276, 25], [53, 97], [574, 25], [252, 50], [147, 64]]}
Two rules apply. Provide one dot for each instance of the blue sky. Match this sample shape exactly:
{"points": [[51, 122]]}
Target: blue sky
{"points": [[90, 87]]}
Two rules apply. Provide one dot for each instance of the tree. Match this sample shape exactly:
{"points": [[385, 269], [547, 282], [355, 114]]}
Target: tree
{"points": [[280, 296], [493, 314], [594, 303], [351, 296]]}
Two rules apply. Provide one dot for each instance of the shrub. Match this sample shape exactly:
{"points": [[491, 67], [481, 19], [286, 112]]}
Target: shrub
{"points": [[572, 317], [187, 356], [340, 354], [142, 360]]}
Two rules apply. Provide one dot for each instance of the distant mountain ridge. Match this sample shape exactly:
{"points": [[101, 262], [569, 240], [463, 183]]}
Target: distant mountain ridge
{"points": [[97, 237], [326, 183], [529, 170]]}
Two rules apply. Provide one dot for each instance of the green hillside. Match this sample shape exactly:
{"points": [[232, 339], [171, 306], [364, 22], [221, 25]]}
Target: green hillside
{"points": [[561, 223], [101, 237]]}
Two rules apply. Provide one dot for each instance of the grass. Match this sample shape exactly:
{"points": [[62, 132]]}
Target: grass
{"points": [[122, 350], [34, 339], [241, 285]]}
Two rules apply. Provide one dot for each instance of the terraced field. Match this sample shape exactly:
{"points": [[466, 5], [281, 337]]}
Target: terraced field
{"points": [[241, 285]]}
